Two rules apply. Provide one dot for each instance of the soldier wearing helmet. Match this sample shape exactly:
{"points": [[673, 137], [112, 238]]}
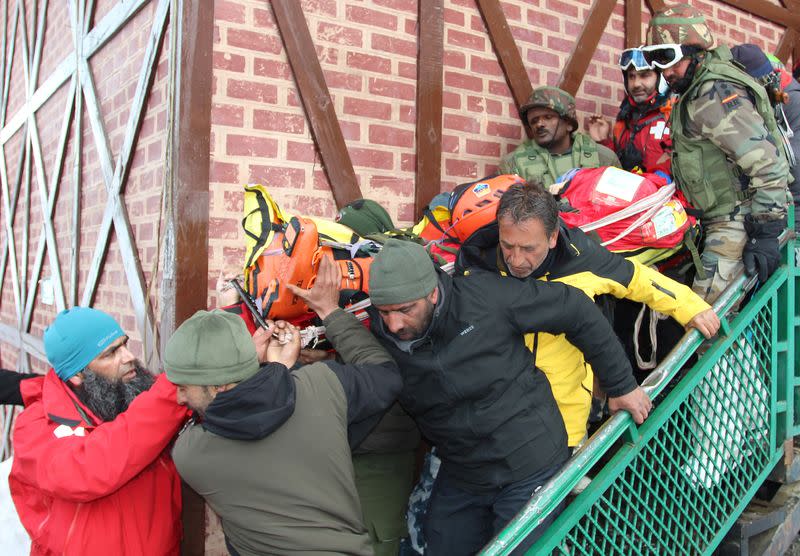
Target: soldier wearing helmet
{"points": [[640, 136], [557, 146], [727, 155]]}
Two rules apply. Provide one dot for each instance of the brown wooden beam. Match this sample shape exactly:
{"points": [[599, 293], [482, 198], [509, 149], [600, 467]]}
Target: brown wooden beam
{"points": [[796, 55], [429, 104], [633, 23], [791, 39], [655, 5], [585, 45], [316, 100], [185, 289], [506, 49], [795, 61], [786, 45], [770, 12]]}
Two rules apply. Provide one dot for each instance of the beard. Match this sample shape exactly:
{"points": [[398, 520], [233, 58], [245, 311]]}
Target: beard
{"points": [[681, 85], [108, 398], [418, 330], [641, 95]]}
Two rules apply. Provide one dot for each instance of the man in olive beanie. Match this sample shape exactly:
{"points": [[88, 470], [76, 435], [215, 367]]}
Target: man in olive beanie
{"points": [[402, 272], [471, 385], [270, 450]]}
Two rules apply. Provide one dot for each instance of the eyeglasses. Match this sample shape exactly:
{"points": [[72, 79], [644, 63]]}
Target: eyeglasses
{"points": [[633, 57], [663, 56]]}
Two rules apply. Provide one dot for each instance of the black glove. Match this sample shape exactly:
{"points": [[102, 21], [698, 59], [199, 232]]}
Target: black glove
{"points": [[761, 252]]}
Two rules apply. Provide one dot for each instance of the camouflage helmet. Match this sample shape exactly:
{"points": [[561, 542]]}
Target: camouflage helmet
{"points": [[561, 102], [680, 24]]}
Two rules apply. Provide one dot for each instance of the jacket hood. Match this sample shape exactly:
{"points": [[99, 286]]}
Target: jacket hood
{"points": [[480, 251], [60, 403], [256, 407]]}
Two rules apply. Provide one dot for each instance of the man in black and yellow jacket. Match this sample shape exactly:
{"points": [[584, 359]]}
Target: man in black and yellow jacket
{"points": [[529, 241]]}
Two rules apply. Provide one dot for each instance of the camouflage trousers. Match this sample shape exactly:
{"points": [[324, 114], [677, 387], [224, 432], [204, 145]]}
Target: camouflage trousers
{"points": [[721, 258]]}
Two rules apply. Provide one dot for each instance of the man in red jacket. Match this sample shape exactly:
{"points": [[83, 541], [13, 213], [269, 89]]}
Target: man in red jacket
{"points": [[640, 136], [91, 473]]}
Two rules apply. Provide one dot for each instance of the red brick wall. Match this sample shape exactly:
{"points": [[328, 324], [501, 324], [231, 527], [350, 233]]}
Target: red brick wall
{"points": [[115, 69], [368, 50]]}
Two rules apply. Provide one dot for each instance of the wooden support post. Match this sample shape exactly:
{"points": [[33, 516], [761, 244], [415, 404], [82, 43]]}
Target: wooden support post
{"points": [[585, 45], [655, 5], [790, 42], [770, 12], [429, 104], [506, 49], [787, 44], [633, 23], [316, 100], [185, 288]]}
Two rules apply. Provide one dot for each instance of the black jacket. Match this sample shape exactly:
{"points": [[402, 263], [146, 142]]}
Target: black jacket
{"points": [[9, 386], [470, 382]]}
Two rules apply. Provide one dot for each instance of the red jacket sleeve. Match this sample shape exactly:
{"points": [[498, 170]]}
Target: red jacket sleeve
{"points": [[84, 468]]}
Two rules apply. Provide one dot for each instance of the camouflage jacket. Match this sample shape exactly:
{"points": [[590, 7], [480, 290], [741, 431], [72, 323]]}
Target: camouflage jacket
{"points": [[532, 162], [725, 155]]}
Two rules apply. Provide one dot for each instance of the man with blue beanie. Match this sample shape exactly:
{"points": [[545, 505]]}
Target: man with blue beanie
{"points": [[91, 472]]}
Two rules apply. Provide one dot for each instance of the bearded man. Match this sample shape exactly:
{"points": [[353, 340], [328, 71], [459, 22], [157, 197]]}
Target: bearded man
{"points": [[728, 158], [640, 136], [92, 473]]}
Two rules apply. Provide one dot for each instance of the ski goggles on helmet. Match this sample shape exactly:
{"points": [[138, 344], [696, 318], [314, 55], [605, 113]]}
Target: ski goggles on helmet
{"points": [[633, 57], [663, 56]]}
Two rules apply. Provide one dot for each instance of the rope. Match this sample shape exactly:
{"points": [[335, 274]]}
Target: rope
{"points": [[650, 205], [655, 316]]}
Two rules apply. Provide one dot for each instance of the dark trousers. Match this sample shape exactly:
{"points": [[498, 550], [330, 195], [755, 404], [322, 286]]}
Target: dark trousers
{"points": [[461, 523]]}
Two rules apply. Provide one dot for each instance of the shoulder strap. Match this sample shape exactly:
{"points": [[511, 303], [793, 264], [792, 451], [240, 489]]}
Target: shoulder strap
{"points": [[584, 147], [432, 219]]}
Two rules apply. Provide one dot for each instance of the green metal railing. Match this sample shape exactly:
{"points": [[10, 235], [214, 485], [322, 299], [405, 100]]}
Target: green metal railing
{"points": [[677, 483]]}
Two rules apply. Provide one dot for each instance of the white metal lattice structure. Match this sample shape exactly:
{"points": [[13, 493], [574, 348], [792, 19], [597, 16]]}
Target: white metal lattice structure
{"points": [[81, 101]]}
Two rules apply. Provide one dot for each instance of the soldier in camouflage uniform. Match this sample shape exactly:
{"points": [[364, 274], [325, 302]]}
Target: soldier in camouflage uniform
{"points": [[727, 155], [556, 146]]}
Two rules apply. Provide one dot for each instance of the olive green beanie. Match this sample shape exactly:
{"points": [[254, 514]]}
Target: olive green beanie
{"points": [[402, 271], [365, 217], [211, 348]]}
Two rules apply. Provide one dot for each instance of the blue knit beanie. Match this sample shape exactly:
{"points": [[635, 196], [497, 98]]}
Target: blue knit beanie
{"points": [[753, 59], [77, 336]]}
